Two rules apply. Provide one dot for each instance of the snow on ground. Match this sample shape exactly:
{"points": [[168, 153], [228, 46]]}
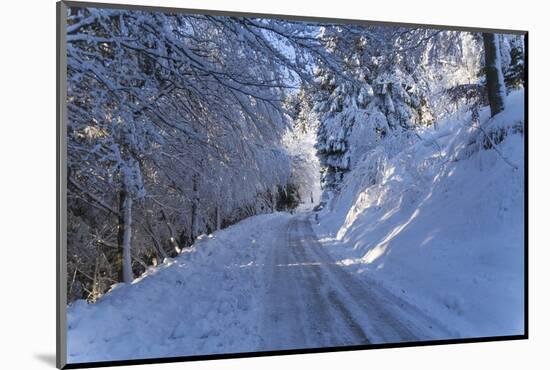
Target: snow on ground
{"points": [[443, 224], [202, 302], [432, 237]]}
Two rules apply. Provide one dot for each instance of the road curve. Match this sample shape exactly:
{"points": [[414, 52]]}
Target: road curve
{"points": [[312, 302]]}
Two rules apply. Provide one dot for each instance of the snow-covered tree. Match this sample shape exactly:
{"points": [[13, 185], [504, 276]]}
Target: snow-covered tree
{"points": [[512, 60], [300, 142], [181, 124], [174, 129], [376, 92], [496, 90]]}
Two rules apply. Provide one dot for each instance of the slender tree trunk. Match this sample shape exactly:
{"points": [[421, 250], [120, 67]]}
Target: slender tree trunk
{"points": [[195, 211], [274, 199], [218, 217], [96, 288], [124, 258], [496, 89]]}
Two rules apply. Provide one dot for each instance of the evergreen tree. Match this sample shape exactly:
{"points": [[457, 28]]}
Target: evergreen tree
{"points": [[513, 69], [376, 93]]}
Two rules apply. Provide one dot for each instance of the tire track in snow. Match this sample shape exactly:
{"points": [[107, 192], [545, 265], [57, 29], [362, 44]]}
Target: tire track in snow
{"points": [[311, 301]]}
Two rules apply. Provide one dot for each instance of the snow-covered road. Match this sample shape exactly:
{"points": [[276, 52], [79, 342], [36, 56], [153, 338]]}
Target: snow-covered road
{"points": [[265, 283], [313, 301]]}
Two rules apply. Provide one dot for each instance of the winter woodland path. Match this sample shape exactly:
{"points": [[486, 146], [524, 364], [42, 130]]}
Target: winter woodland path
{"points": [[263, 284], [312, 301]]}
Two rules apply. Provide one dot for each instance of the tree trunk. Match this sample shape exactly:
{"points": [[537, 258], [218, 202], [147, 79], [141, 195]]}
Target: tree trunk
{"points": [[195, 211], [124, 258], [218, 217], [274, 199], [496, 90]]}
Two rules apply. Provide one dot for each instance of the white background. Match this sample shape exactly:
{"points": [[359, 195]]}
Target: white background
{"points": [[27, 182]]}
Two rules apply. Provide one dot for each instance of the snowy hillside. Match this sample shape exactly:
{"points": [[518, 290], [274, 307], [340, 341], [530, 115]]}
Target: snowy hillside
{"points": [[442, 225]]}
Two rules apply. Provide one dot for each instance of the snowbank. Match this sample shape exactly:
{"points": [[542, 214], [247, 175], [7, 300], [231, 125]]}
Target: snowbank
{"points": [[215, 312], [441, 222]]}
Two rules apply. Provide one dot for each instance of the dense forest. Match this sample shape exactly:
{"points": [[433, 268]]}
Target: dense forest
{"points": [[183, 124]]}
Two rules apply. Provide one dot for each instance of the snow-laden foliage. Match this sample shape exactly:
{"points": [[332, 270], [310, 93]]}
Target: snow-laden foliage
{"points": [[181, 124], [512, 51], [393, 82], [378, 90], [174, 129], [300, 142]]}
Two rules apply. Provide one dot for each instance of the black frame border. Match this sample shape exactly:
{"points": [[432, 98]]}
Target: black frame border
{"points": [[61, 188]]}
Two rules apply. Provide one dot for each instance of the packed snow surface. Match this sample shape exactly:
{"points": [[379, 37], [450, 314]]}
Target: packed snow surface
{"points": [[205, 301], [424, 244]]}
